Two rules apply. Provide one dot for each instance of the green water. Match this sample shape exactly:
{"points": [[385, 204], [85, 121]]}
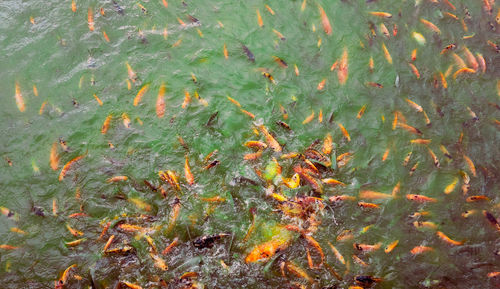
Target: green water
{"points": [[69, 64]]}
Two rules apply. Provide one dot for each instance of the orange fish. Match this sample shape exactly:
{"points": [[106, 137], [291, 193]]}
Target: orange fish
{"points": [[344, 132], [471, 59], [325, 22], [373, 195], [337, 253], [421, 249], [409, 128], [187, 172], [187, 99], [463, 70], [391, 246], [160, 101], [420, 198], [430, 25], [387, 55], [381, 14], [259, 18], [434, 158], [368, 205], [309, 118], [54, 157], [321, 85], [131, 74], [98, 99], [341, 198], [370, 64], [361, 112], [296, 70], [343, 71], [414, 70], [165, 3], [90, 18], [73, 5], [117, 179], [269, 9], [477, 198], [68, 166], [8, 247], [366, 247], [470, 164], [327, 144], [105, 35], [140, 94], [447, 239], [19, 98], [255, 144], [226, 55], [413, 55], [271, 141], [265, 250], [126, 120]]}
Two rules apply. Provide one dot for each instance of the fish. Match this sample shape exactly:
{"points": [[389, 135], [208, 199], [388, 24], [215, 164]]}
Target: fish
{"points": [[359, 261], [470, 164], [19, 98], [391, 247], [477, 198], [117, 179], [413, 55], [384, 30], [447, 239], [309, 118], [380, 14], [420, 198], [140, 94], [414, 70], [73, 6], [68, 166], [187, 99], [249, 53], [370, 64], [470, 58], [387, 55], [425, 224], [365, 194], [321, 85], [266, 250], [130, 285], [187, 172], [337, 254], [344, 132], [259, 18], [417, 250], [419, 38], [269, 9], [409, 128], [299, 272], [90, 18], [463, 70], [280, 61], [126, 120], [296, 69], [108, 243], [105, 35], [158, 262], [366, 247], [361, 112], [255, 144], [367, 281], [414, 105], [226, 55], [430, 26], [271, 141], [131, 73], [451, 187], [366, 205], [75, 242], [325, 22], [160, 101], [269, 76], [482, 62], [434, 158], [491, 219], [54, 157], [343, 71], [420, 141], [292, 182], [170, 246]]}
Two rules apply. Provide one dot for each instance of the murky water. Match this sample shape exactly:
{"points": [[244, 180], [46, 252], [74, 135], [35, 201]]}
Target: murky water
{"points": [[182, 47]]}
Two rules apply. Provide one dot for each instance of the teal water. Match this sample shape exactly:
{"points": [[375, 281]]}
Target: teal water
{"points": [[68, 63]]}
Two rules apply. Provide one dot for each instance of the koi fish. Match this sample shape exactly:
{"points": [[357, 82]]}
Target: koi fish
{"points": [[414, 70], [420, 198], [74, 232], [299, 272], [470, 58], [344, 132], [470, 164], [75, 242], [68, 166], [187, 172], [265, 250], [126, 120], [160, 101], [226, 55], [434, 158], [391, 246], [296, 69], [73, 6], [269, 9], [366, 205], [380, 14], [343, 71], [131, 74], [309, 118], [491, 219], [140, 94], [449, 188], [271, 141], [90, 18], [373, 195], [413, 55], [409, 128], [54, 157], [447, 239], [419, 38], [366, 247], [421, 249], [19, 98], [461, 71], [387, 55], [430, 25], [337, 253], [259, 18], [170, 246], [477, 198], [325, 22], [371, 64], [105, 35], [117, 179], [98, 100]]}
